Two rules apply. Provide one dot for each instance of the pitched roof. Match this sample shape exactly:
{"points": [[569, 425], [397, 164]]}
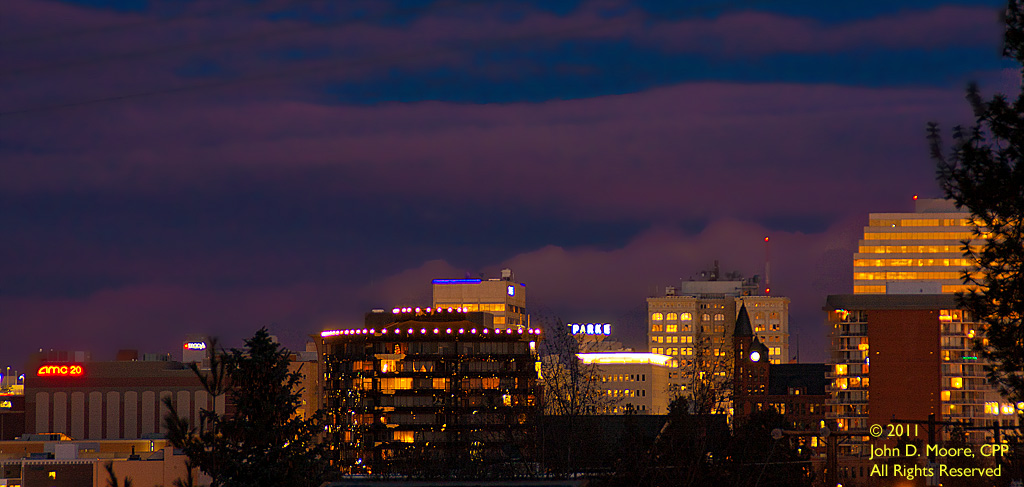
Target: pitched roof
{"points": [[743, 328]]}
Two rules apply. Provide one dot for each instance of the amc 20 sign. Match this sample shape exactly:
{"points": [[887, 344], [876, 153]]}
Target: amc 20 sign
{"points": [[60, 370]]}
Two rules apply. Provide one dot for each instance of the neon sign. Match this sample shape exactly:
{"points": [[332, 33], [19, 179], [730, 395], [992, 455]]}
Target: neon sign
{"points": [[591, 328], [195, 346], [71, 370]]}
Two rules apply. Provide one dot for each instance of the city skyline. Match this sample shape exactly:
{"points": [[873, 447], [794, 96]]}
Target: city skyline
{"points": [[601, 150]]}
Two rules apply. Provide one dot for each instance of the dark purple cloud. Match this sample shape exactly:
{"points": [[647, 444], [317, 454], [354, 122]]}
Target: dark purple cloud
{"points": [[598, 151]]}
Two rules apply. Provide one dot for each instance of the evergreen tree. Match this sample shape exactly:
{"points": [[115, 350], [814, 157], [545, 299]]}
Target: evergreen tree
{"points": [[261, 442], [984, 173]]}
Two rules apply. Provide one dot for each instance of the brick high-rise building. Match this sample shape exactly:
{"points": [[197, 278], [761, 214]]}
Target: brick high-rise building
{"points": [[905, 357]]}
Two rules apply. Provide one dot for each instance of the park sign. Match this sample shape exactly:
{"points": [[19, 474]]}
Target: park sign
{"points": [[604, 329]]}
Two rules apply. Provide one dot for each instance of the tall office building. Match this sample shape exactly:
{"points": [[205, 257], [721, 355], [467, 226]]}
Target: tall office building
{"points": [[917, 252], [677, 320], [419, 389], [905, 357], [503, 298]]}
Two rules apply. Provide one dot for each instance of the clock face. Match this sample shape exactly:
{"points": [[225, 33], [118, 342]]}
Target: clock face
{"points": [[755, 356], [511, 290]]}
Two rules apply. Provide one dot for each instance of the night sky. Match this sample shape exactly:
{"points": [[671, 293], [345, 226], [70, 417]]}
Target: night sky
{"points": [[173, 167]]}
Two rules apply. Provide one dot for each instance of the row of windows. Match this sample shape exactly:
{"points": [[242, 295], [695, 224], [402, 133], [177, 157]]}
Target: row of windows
{"points": [[684, 317], [672, 339], [626, 393], [920, 236], [878, 276], [880, 289], [671, 316], [673, 351], [912, 249], [624, 378], [844, 382], [482, 307], [910, 262], [869, 289], [954, 316], [922, 222]]}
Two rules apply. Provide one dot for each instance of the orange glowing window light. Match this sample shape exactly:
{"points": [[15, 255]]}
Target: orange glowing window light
{"points": [[62, 370]]}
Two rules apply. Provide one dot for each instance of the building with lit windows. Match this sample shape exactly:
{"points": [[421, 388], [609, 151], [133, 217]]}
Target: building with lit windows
{"points": [[905, 357], [633, 382], [796, 391], [677, 321], [917, 252], [428, 387], [504, 298]]}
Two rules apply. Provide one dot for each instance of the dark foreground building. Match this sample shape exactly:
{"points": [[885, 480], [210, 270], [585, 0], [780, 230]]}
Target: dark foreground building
{"points": [[430, 393]]}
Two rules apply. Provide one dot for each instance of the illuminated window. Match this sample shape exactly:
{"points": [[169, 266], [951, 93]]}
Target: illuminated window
{"points": [[52, 474], [719, 317], [670, 328], [945, 395], [388, 366], [499, 320], [403, 436], [685, 316], [991, 408], [442, 384], [656, 328], [362, 384], [657, 317], [390, 384], [706, 317], [672, 317], [957, 382]]}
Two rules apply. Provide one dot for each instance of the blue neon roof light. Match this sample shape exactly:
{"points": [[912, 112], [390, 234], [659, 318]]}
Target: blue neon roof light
{"points": [[456, 281]]}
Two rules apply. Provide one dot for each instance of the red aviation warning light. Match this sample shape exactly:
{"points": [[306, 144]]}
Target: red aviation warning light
{"points": [[61, 370]]}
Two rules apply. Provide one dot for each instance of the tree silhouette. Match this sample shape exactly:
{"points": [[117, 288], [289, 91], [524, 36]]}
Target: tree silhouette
{"points": [[262, 441], [984, 173]]}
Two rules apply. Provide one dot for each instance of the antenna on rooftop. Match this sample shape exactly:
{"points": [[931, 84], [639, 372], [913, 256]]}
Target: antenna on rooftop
{"points": [[767, 267]]}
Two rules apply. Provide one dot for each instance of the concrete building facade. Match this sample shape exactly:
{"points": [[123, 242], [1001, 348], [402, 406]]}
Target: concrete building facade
{"points": [[635, 382], [111, 400], [677, 321], [503, 298]]}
